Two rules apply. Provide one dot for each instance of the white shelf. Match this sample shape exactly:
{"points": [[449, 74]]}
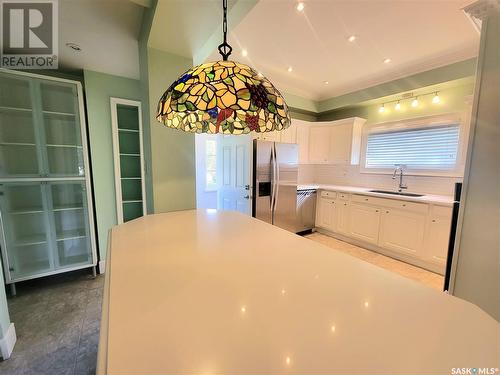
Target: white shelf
{"points": [[15, 109], [137, 155], [133, 201], [31, 240], [130, 178], [129, 130], [16, 144], [66, 208], [66, 114], [70, 235], [64, 146], [34, 210]]}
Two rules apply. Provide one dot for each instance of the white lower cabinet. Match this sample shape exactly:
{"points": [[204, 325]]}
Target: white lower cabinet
{"points": [[402, 231], [325, 216], [342, 216], [438, 235], [364, 222], [417, 233]]}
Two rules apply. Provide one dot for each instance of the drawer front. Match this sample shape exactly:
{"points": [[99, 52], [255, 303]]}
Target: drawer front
{"points": [[442, 211], [392, 203], [421, 208], [368, 199], [343, 196], [329, 194]]}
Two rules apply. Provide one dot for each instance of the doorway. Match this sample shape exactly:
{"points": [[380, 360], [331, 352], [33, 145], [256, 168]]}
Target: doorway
{"points": [[224, 172]]}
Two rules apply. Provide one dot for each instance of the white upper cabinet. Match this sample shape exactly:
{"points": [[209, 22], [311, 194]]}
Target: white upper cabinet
{"points": [[302, 139], [289, 135], [333, 142], [319, 144]]}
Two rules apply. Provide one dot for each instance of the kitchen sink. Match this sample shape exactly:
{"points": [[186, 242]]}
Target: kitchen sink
{"points": [[396, 193]]}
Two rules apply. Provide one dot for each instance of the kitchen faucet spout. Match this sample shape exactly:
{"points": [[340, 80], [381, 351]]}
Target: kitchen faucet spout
{"points": [[400, 168]]}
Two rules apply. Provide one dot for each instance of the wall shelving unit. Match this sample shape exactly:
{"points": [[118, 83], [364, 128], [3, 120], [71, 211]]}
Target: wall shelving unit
{"points": [[129, 159], [46, 214]]}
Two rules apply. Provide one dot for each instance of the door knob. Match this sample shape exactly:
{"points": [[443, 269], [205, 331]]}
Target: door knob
{"points": [[247, 187], [247, 197]]}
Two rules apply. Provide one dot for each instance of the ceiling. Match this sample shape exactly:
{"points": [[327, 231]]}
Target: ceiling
{"points": [[106, 30], [417, 35], [183, 26]]}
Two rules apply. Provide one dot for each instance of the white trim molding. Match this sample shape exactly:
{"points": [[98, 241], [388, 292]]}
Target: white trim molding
{"points": [[102, 266], [481, 8], [8, 342]]}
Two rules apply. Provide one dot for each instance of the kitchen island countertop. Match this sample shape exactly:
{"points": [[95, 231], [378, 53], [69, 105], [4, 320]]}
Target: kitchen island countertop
{"points": [[209, 292]]}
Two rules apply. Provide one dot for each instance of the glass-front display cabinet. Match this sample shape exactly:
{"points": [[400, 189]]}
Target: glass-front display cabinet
{"points": [[46, 213]]}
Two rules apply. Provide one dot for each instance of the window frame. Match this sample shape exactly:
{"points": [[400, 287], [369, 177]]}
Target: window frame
{"points": [[210, 186], [420, 123]]}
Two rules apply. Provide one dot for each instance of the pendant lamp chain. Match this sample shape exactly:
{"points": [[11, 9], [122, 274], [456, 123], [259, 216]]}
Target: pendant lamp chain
{"points": [[224, 49]]}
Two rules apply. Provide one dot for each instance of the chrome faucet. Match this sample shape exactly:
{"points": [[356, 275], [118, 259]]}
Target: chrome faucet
{"points": [[400, 168]]}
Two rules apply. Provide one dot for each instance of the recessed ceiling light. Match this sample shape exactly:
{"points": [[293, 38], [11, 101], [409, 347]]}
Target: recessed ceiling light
{"points": [[244, 52], [300, 6], [387, 61], [74, 46], [290, 69], [352, 38], [326, 82]]}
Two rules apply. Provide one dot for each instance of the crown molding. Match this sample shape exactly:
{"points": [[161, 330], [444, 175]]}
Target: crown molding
{"points": [[481, 8]]}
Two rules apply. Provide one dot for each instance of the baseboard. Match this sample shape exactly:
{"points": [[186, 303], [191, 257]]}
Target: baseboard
{"points": [[102, 266], [7, 342], [404, 258]]}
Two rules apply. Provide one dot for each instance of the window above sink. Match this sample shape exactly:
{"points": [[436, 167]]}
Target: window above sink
{"points": [[431, 146]]}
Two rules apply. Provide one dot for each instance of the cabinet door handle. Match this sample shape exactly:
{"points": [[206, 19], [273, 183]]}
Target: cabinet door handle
{"points": [[433, 220], [386, 212], [404, 205], [376, 210]]}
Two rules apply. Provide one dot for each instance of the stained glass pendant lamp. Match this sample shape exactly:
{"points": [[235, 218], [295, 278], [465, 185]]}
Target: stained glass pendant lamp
{"points": [[223, 97]]}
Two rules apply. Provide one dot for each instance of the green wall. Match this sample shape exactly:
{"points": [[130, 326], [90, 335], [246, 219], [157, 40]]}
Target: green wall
{"points": [[173, 151], [456, 71], [453, 99], [99, 88]]}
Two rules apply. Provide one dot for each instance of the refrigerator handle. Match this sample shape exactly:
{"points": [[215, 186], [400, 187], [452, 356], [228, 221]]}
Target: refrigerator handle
{"points": [[276, 178]]}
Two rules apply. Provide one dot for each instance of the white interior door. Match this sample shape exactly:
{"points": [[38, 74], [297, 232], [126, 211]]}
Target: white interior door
{"points": [[234, 166]]}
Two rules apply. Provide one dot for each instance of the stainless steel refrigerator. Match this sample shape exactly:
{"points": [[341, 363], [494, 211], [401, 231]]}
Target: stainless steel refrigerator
{"points": [[275, 171]]}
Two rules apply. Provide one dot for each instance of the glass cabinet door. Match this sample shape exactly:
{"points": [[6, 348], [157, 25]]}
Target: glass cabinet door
{"points": [[61, 127], [19, 152], [71, 223], [23, 210]]}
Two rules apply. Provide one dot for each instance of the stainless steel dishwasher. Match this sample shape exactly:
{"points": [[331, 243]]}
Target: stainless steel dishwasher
{"points": [[306, 209]]}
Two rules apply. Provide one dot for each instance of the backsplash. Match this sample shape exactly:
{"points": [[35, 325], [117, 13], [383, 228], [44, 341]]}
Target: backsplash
{"points": [[349, 175]]}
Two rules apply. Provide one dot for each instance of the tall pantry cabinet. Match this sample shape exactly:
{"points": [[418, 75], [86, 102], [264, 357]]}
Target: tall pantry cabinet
{"points": [[46, 211]]}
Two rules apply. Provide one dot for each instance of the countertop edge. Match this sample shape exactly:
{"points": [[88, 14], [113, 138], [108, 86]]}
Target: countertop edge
{"points": [[440, 200]]}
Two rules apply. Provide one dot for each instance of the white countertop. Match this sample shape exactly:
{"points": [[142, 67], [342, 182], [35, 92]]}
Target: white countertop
{"points": [[207, 292], [444, 200]]}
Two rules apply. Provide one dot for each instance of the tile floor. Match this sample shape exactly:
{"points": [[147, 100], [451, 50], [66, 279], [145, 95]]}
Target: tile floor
{"points": [[425, 277], [57, 324]]}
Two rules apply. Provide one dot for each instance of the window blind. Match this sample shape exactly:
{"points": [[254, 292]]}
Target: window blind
{"points": [[429, 148]]}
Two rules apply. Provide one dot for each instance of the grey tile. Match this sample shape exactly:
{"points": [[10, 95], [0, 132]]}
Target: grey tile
{"points": [[57, 324]]}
